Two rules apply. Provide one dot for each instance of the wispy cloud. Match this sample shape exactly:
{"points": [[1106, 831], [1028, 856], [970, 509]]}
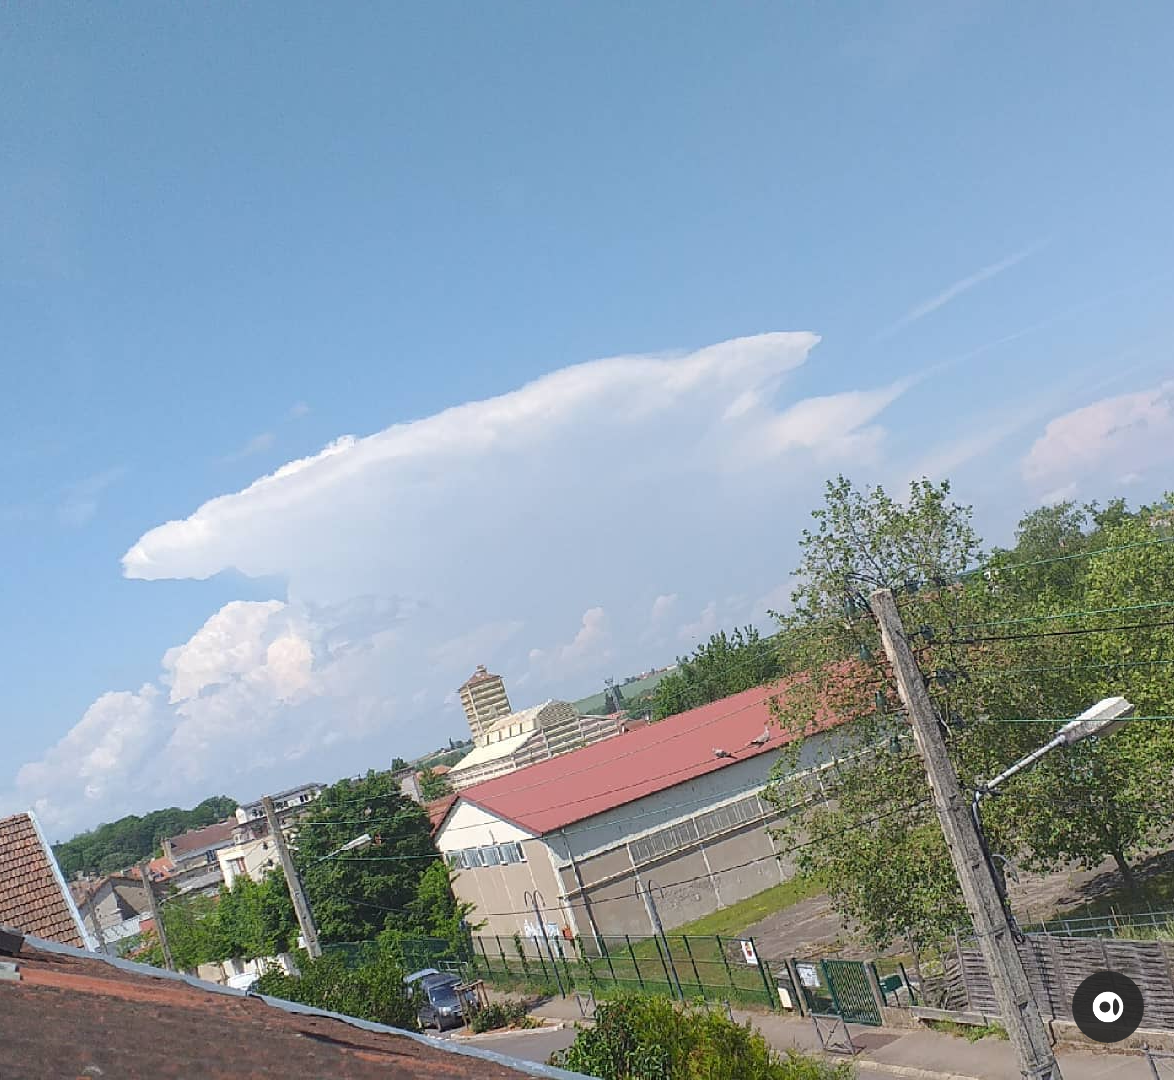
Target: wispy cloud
{"points": [[297, 411], [952, 292], [258, 444], [80, 503]]}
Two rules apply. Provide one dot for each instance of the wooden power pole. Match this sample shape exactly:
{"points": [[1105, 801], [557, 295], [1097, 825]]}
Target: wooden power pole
{"points": [[156, 915], [293, 882], [1017, 1006]]}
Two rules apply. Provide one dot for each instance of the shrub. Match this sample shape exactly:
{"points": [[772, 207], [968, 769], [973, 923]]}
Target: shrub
{"points": [[637, 1037], [499, 1014], [372, 991]]}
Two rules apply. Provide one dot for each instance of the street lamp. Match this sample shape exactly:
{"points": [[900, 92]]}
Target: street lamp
{"points": [[351, 845], [1105, 717]]}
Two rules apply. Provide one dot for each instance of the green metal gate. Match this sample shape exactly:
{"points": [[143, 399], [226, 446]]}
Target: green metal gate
{"points": [[851, 992], [839, 988]]}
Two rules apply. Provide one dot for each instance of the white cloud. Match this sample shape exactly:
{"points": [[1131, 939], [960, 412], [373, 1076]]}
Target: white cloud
{"points": [[662, 607], [534, 452], [467, 537], [700, 628], [588, 646], [1128, 432], [952, 292], [297, 411], [110, 752], [835, 426], [1059, 495]]}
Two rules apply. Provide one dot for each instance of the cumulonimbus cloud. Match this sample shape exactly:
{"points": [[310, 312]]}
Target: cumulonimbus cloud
{"points": [[538, 531]]}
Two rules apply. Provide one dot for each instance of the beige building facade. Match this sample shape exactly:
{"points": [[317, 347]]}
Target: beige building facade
{"points": [[529, 736]]}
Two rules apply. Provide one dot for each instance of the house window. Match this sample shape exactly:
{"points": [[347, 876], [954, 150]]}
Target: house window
{"points": [[512, 853], [491, 856], [237, 866]]}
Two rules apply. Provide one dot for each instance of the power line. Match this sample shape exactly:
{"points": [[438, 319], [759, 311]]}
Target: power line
{"points": [[1073, 668], [994, 567], [1067, 632], [1067, 615]]}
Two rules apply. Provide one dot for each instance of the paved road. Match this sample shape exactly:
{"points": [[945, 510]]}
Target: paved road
{"points": [[528, 1045]]}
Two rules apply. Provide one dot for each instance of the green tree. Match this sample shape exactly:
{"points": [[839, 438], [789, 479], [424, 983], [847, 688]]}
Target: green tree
{"points": [[256, 918], [724, 665], [986, 644], [356, 894], [433, 785], [373, 990], [1108, 797], [875, 840]]}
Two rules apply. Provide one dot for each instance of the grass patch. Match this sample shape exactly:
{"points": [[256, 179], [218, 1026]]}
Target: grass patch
{"points": [[734, 920], [969, 1032]]}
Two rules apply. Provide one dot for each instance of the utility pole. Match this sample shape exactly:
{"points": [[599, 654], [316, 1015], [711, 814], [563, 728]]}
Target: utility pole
{"points": [[1017, 1007], [293, 882], [156, 916]]}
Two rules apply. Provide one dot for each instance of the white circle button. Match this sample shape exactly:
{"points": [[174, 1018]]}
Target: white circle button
{"points": [[1107, 1006]]}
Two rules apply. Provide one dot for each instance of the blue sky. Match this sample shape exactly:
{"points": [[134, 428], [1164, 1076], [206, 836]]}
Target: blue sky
{"points": [[938, 237]]}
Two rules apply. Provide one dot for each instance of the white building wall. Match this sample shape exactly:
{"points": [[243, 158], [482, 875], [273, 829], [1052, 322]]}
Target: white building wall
{"points": [[470, 826], [259, 856]]}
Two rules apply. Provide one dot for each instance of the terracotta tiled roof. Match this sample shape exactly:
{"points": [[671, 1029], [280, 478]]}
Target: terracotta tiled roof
{"points": [[617, 771], [438, 809], [79, 1016], [32, 896], [161, 867], [208, 836]]}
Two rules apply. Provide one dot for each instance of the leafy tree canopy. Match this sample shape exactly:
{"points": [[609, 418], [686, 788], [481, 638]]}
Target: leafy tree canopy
{"points": [[726, 664], [120, 844], [1002, 680]]}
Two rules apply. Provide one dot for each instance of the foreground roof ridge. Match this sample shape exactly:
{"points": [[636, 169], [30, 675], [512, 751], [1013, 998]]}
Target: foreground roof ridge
{"points": [[528, 1068]]}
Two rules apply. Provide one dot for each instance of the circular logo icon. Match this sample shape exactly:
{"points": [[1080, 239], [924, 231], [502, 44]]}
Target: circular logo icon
{"points": [[1107, 1006]]}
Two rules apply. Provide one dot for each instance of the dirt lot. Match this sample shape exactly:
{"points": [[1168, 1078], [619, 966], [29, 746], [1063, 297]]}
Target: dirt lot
{"points": [[811, 928]]}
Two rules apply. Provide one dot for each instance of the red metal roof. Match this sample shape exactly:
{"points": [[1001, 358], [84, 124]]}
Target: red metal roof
{"points": [[33, 898], [616, 771]]}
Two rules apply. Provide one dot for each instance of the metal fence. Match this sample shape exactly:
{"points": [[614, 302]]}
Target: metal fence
{"points": [[711, 968], [1143, 924]]}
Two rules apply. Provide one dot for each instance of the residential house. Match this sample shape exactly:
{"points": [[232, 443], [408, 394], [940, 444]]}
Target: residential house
{"points": [[112, 908], [289, 805], [252, 852]]}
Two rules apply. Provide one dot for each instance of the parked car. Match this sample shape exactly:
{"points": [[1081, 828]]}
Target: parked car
{"points": [[440, 1005]]}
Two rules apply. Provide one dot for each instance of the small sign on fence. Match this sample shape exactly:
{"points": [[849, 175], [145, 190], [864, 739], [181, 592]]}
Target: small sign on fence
{"points": [[748, 953], [808, 975]]}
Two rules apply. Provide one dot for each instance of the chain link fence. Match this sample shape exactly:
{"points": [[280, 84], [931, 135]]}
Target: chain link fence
{"points": [[711, 968]]}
